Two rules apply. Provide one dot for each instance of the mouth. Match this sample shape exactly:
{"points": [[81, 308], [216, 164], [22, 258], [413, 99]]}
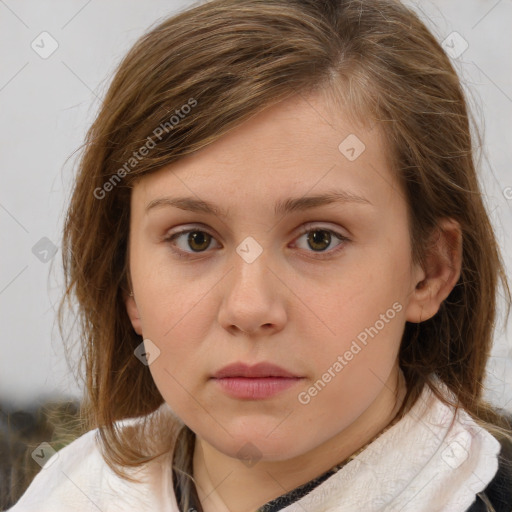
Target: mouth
{"points": [[256, 382], [260, 370]]}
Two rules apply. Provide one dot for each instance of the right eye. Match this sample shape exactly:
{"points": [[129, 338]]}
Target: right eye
{"points": [[197, 239]]}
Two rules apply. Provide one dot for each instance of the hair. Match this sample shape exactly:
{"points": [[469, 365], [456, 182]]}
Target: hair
{"points": [[229, 60]]}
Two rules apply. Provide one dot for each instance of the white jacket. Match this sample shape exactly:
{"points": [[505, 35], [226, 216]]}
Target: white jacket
{"points": [[418, 465]]}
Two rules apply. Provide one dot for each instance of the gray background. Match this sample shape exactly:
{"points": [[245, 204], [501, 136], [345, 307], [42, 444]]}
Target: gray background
{"points": [[47, 104]]}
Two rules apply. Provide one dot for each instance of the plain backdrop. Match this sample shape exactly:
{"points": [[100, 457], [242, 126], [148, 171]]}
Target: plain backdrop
{"points": [[47, 104]]}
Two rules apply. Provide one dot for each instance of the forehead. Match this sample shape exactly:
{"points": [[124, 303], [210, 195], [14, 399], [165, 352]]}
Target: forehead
{"points": [[303, 144]]}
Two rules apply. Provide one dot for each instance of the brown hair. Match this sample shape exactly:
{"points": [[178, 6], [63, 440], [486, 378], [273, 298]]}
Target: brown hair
{"points": [[230, 59]]}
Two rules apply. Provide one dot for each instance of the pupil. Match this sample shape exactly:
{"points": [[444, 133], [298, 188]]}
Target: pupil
{"points": [[319, 239], [199, 238]]}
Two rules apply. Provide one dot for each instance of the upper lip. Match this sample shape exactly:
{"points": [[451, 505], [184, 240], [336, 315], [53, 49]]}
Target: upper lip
{"points": [[263, 369]]}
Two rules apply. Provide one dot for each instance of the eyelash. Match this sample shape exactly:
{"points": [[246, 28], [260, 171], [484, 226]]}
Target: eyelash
{"points": [[306, 229]]}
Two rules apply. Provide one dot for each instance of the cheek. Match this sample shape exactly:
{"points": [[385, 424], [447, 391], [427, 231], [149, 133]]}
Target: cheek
{"points": [[358, 326], [355, 302], [179, 371], [182, 392], [351, 366], [173, 326], [170, 302]]}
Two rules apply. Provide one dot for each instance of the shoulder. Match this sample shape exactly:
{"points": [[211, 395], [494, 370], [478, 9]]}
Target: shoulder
{"points": [[498, 494], [78, 478], [61, 482]]}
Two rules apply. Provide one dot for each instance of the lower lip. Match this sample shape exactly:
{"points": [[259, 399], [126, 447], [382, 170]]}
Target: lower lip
{"points": [[255, 388]]}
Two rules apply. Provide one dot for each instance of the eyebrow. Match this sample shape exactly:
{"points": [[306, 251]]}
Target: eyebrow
{"points": [[289, 205]]}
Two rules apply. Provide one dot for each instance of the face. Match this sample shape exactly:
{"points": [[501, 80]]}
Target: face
{"points": [[323, 291]]}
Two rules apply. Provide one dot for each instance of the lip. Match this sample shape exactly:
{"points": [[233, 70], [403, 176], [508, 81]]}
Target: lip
{"points": [[256, 382], [259, 370]]}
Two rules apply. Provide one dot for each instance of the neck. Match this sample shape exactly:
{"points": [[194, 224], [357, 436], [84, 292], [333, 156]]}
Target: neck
{"points": [[224, 486]]}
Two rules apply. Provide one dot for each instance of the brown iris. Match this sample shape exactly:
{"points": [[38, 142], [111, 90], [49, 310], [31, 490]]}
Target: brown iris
{"points": [[315, 238], [200, 238]]}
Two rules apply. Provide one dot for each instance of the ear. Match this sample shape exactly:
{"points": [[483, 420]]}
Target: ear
{"points": [[133, 313], [443, 267]]}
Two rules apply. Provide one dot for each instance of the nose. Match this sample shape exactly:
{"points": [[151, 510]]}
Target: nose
{"points": [[253, 297]]}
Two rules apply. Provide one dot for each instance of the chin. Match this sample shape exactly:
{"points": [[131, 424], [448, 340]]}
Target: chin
{"points": [[253, 445]]}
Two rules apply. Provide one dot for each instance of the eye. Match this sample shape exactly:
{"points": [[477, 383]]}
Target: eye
{"points": [[320, 238], [197, 239]]}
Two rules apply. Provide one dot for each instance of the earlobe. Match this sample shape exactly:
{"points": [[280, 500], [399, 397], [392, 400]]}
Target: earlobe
{"points": [[443, 268], [133, 313]]}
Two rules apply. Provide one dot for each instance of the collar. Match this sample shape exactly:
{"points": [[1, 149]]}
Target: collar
{"points": [[434, 458]]}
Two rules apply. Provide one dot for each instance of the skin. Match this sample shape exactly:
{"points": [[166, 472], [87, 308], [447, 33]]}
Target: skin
{"points": [[298, 304]]}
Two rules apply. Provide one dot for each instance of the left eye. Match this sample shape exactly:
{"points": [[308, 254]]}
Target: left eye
{"points": [[320, 238], [198, 240], [196, 237]]}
